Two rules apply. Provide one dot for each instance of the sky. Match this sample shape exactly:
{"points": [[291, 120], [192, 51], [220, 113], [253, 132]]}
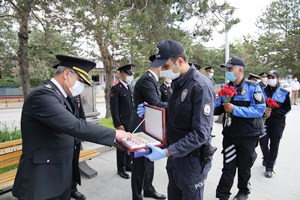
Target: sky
{"points": [[248, 12]]}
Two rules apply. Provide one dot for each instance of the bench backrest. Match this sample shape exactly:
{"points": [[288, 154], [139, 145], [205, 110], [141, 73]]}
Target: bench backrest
{"points": [[10, 153]]}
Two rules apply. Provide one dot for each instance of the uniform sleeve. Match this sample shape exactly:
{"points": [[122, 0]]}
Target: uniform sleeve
{"points": [[114, 106], [149, 89], [219, 109], [283, 109], [256, 108], [46, 108], [203, 103]]}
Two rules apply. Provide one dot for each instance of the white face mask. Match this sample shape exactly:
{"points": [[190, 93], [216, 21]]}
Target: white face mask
{"points": [[170, 74], [272, 82], [295, 79], [210, 74], [264, 80], [168, 81], [129, 79], [77, 88]]}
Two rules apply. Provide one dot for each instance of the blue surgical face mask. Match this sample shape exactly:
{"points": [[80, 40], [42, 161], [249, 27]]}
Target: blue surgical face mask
{"points": [[230, 76]]}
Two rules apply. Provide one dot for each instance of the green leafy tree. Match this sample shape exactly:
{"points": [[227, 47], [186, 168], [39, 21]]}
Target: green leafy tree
{"points": [[278, 46]]}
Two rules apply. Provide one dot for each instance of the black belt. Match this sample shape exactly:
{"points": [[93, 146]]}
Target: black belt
{"points": [[195, 153]]}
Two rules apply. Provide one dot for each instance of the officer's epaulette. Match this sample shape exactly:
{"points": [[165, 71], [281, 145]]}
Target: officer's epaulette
{"points": [[48, 86], [284, 90], [251, 82]]}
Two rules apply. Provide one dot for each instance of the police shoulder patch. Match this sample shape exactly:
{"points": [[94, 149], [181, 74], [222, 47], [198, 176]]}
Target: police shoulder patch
{"points": [[278, 95], [206, 109], [258, 96]]}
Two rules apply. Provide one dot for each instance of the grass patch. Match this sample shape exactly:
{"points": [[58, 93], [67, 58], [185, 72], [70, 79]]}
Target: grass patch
{"points": [[107, 122]]}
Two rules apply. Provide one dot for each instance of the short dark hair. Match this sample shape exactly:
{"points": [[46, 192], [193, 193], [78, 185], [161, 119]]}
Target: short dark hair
{"points": [[182, 55]]}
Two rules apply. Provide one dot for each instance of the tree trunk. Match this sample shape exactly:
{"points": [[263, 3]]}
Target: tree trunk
{"points": [[23, 49], [107, 60]]}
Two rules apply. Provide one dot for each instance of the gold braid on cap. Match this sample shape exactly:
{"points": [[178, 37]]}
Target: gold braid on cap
{"points": [[80, 70], [84, 75]]}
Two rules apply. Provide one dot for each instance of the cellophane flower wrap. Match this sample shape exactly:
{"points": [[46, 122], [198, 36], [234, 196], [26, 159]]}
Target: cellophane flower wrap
{"points": [[227, 92]]}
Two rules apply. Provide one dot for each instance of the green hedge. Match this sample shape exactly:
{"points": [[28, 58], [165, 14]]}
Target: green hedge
{"points": [[9, 82], [8, 135]]}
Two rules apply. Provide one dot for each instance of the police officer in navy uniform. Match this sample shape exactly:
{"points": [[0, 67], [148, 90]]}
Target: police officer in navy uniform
{"points": [[121, 106], [146, 90], [241, 130], [275, 122], [49, 126], [189, 123], [263, 80], [166, 89]]}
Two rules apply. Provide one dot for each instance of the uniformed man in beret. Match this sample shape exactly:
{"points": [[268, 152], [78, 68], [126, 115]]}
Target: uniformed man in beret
{"points": [[121, 106], [209, 72], [49, 128]]}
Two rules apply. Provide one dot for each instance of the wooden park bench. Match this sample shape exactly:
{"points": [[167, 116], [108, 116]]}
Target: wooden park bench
{"points": [[10, 153]]}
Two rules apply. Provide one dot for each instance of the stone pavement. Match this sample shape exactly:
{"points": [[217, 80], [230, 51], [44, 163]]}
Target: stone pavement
{"points": [[284, 185]]}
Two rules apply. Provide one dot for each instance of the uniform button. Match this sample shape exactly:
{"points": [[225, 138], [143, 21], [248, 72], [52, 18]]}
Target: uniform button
{"points": [[48, 161]]}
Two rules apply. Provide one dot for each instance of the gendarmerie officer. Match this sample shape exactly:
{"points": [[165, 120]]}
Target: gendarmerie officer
{"points": [[166, 89], [275, 123], [49, 126], [241, 136], [146, 90], [189, 123], [121, 106]]}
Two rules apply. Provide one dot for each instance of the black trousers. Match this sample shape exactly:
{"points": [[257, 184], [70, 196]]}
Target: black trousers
{"points": [[123, 160], [186, 178], [269, 145], [65, 196], [142, 177], [238, 154]]}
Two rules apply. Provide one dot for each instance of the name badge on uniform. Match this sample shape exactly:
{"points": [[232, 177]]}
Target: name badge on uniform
{"points": [[244, 91], [279, 95], [184, 94]]}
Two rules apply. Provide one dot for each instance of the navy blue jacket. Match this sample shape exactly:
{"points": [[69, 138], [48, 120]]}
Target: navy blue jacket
{"points": [[190, 113], [282, 97], [249, 106]]}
